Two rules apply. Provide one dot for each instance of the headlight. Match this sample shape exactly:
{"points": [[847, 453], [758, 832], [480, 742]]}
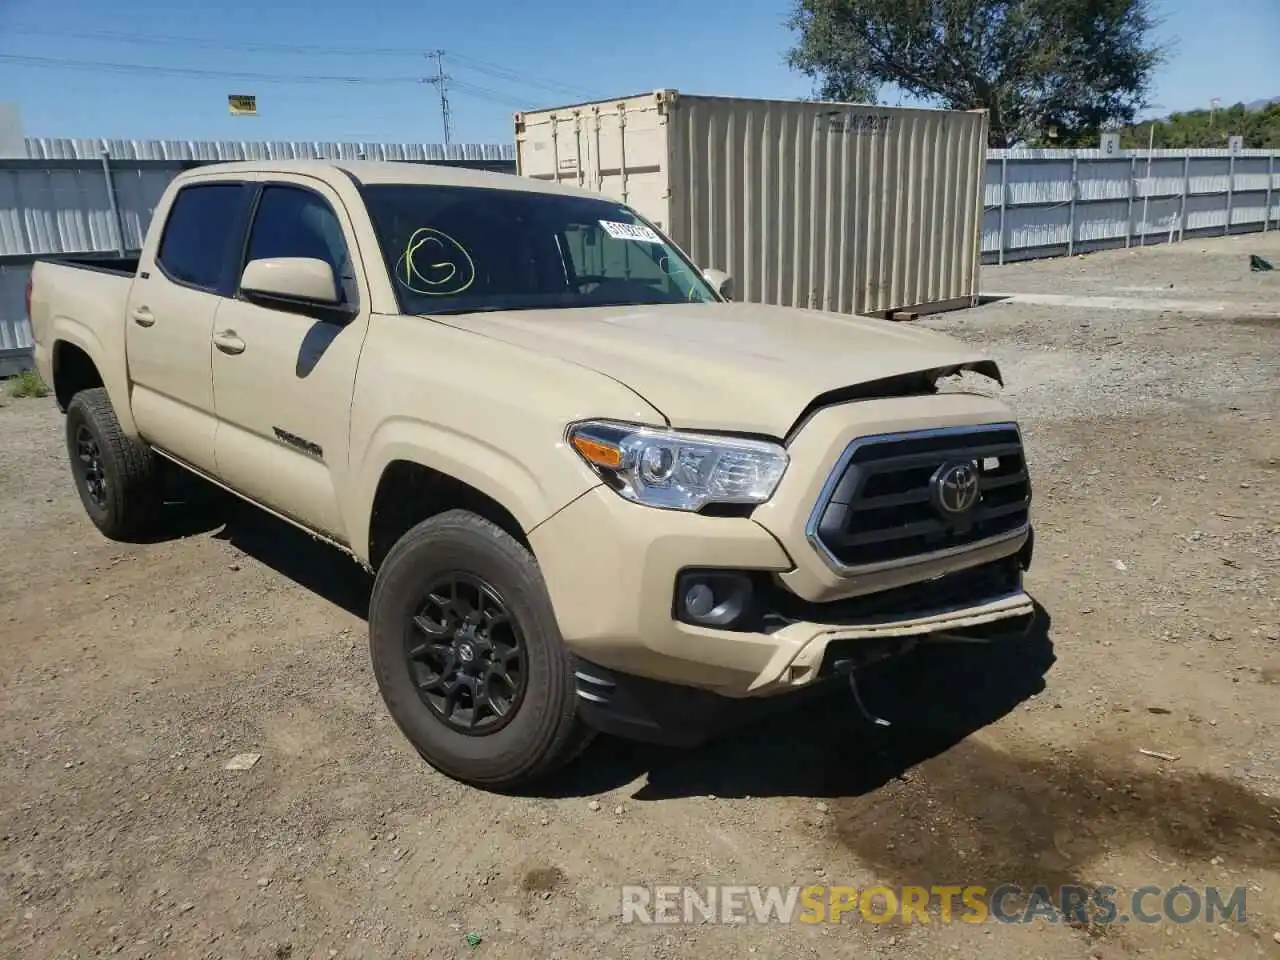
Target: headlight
{"points": [[679, 471]]}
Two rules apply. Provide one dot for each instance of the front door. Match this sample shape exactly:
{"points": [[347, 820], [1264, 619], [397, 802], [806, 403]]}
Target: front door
{"points": [[283, 379], [170, 318]]}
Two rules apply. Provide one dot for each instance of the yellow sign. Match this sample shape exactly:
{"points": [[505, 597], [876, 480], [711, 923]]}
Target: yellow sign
{"points": [[242, 105]]}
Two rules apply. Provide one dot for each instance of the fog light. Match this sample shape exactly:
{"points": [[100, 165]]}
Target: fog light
{"points": [[699, 600], [712, 599]]}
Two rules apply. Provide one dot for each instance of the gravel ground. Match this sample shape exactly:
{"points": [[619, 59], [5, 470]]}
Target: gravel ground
{"points": [[131, 675]]}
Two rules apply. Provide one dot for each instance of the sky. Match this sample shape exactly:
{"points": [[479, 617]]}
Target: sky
{"points": [[358, 69]]}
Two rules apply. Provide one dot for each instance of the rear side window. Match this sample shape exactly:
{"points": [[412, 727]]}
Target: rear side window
{"points": [[198, 233]]}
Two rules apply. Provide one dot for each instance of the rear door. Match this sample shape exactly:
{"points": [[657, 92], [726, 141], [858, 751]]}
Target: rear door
{"points": [[283, 385], [170, 312]]}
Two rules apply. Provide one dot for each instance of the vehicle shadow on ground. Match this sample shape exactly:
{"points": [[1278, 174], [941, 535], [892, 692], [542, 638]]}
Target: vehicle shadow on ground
{"points": [[188, 506], [194, 506], [933, 697], [307, 561], [819, 746]]}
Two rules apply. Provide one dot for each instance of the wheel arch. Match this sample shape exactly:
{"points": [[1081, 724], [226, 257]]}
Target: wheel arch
{"points": [[74, 370], [415, 470], [409, 492], [81, 360]]}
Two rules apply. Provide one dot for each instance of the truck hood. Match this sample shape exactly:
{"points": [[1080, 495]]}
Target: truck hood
{"points": [[732, 366]]}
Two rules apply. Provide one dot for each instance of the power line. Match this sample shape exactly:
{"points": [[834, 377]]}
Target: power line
{"points": [[504, 73], [444, 83], [493, 70], [143, 68], [492, 96], [440, 81], [153, 38]]}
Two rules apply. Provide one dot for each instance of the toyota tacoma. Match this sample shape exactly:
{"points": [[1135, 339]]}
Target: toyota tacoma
{"points": [[596, 493]]}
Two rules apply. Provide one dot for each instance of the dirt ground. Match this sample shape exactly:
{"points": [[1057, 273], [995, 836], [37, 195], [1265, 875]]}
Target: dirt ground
{"points": [[131, 675]]}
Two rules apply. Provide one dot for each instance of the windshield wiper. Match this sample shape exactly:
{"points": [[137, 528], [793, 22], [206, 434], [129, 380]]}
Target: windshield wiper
{"points": [[458, 310], [557, 306]]}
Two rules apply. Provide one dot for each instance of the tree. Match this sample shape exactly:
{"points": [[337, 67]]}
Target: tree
{"points": [[1040, 67], [1204, 128]]}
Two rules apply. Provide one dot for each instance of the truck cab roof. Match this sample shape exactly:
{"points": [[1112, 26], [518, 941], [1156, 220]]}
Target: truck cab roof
{"points": [[397, 172]]}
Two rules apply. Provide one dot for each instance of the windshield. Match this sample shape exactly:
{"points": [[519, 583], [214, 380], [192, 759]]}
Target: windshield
{"points": [[462, 249]]}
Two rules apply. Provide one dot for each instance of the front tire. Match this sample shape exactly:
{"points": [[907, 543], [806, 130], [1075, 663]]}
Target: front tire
{"points": [[469, 657], [115, 474]]}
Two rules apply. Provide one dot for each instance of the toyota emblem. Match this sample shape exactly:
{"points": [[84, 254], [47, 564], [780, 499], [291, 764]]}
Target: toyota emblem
{"points": [[955, 488]]}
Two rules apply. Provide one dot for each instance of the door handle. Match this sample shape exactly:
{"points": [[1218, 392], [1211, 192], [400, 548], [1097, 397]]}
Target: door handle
{"points": [[228, 342], [143, 317]]}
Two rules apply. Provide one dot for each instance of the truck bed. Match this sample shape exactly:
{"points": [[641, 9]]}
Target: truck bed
{"points": [[83, 302], [125, 266]]}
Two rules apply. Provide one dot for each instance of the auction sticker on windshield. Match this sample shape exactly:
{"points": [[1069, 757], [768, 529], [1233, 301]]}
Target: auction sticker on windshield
{"points": [[630, 231]]}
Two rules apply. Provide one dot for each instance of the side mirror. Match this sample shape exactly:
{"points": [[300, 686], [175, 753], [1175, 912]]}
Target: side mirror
{"points": [[721, 281], [290, 281]]}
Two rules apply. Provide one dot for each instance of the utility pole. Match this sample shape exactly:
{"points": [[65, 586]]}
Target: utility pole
{"points": [[440, 81]]}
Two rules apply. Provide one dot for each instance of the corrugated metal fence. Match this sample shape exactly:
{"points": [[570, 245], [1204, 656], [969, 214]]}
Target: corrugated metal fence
{"points": [[1047, 203], [67, 198]]}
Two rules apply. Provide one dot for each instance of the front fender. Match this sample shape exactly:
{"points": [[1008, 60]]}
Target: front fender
{"points": [[530, 495]]}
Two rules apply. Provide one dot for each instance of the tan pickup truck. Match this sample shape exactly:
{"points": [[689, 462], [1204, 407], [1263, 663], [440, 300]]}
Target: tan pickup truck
{"points": [[597, 494]]}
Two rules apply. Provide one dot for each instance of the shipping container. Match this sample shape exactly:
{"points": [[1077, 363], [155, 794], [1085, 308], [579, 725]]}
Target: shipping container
{"points": [[834, 206]]}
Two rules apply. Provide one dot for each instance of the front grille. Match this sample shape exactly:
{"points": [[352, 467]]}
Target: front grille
{"points": [[883, 503]]}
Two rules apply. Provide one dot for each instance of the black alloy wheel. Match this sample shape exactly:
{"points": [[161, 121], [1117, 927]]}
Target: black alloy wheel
{"points": [[466, 655], [115, 474], [88, 464]]}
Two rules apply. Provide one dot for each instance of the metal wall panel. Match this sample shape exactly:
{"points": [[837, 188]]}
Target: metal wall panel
{"points": [[1024, 153], [1248, 207], [1206, 211], [993, 185], [1039, 183], [54, 211], [1162, 215], [1108, 220], [842, 207], [991, 238], [1103, 179], [1163, 177], [1029, 227], [1208, 175], [1251, 173], [67, 149], [15, 332]]}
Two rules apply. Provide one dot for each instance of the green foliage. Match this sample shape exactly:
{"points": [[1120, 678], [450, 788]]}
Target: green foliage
{"points": [[27, 384], [1071, 65], [1205, 128]]}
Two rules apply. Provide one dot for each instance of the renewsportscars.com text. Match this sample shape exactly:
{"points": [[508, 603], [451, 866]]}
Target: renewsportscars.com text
{"points": [[1008, 903]]}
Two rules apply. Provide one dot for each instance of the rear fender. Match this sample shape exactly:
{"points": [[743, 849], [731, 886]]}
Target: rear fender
{"points": [[115, 375]]}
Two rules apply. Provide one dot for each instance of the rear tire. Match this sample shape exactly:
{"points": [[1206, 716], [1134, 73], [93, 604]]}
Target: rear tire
{"points": [[469, 657], [115, 474]]}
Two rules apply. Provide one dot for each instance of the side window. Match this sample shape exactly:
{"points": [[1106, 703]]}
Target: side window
{"points": [[197, 234], [291, 222]]}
